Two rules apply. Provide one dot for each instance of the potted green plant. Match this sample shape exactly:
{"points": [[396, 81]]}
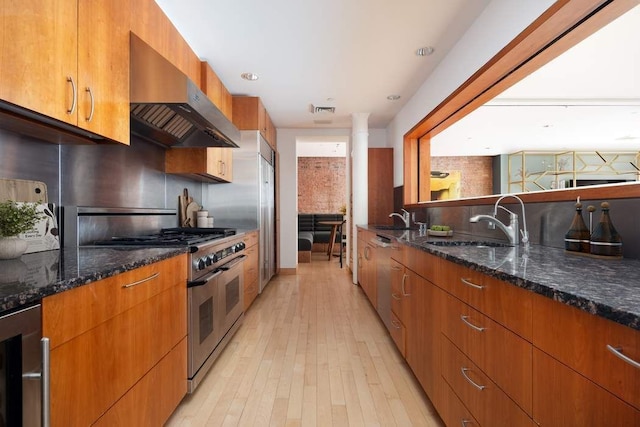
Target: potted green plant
{"points": [[15, 219]]}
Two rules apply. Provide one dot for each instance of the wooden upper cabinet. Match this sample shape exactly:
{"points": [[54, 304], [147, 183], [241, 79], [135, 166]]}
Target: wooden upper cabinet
{"points": [[103, 68], [249, 114], [380, 164], [152, 25], [39, 62], [207, 164], [216, 91], [69, 60]]}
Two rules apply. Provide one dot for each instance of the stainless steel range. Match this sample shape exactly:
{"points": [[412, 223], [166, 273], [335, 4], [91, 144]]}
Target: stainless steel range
{"points": [[214, 281]]}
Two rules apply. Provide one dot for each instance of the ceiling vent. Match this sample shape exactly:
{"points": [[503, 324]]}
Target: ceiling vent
{"points": [[323, 122], [322, 110]]}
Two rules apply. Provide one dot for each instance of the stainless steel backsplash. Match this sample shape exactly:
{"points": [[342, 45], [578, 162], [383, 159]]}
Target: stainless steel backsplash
{"points": [[95, 175]]}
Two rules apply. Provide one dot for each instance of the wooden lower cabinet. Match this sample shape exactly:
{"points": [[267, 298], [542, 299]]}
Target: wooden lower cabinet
{"points": [[108, 335], [367, 271], [501, 354], [485, 400], [251, 269], [158, 402], [452, 410], [562, 397]]}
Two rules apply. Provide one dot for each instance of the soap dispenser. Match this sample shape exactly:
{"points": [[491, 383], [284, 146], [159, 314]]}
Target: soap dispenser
{"points": [[577, 238], [605, 240]]}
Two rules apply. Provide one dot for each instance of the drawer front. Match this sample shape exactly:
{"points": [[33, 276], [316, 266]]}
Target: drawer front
{"points": [[399, 252], [501, 354], [251, 264], [587, 344], [154, 398], [250, 293], [398, 281], [73, 312], [398, 333], [251, 238], [424, 263], [92, 371], [453, 412], [562, 397], [503, 302], [484, 399]]}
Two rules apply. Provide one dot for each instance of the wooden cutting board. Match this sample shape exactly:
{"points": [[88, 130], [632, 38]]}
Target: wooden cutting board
{"points": [[22, 190]]}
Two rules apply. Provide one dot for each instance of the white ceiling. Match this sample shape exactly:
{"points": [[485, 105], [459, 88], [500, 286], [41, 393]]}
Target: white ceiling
{"points": [[347, 54], [588, 98]]}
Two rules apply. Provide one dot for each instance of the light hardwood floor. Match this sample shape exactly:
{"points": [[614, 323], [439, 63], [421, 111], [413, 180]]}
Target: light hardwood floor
{"points": [[312, 351]]}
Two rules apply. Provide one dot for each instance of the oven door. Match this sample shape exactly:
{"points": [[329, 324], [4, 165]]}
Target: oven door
{"points": [[204, 331], [230, 286]]}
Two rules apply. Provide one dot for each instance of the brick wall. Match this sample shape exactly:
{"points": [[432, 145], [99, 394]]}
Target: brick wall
{"points": [[476, 173], [321, 184]]}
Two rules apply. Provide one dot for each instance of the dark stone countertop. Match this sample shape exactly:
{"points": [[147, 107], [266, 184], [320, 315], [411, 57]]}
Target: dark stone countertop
{"points": [[28, 279], [609, 288]]}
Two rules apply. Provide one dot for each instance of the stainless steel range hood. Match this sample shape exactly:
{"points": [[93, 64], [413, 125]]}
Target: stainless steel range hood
{"points": [[170, 109]]}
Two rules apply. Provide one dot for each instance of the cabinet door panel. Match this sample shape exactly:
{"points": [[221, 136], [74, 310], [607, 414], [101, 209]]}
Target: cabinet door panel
{"points": [[503, 355], [103, 68], [562, 397], [39, 56], [399, 334]]}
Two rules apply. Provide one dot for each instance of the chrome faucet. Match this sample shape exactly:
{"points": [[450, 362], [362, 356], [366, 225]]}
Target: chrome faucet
{"points": [[406, 217], [512, 230]]}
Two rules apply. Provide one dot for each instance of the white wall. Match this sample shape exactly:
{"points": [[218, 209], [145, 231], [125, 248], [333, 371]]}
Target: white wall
{"points": [[499, 23]]}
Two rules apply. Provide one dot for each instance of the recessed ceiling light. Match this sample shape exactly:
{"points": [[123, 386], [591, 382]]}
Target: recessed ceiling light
{"points": [[249, 76], [393, 97], [425, 51]]}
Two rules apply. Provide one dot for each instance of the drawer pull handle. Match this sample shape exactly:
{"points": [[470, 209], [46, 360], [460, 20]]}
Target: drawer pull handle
{"points": [[471, 325], [617, 351], [396, 268], [404, 279], [395, 297], [469, 283], [396, 325], [139, 282], [74, 95], [465, 422], [466, 377]]}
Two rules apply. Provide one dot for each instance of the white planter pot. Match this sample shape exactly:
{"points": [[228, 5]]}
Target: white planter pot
{"points": [[12, 247]]}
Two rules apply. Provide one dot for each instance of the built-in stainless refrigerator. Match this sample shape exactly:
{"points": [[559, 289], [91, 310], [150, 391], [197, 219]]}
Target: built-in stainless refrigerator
{"points": [[249, 201]]}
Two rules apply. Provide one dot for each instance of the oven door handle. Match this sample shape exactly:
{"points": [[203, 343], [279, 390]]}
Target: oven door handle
{"points": [[204, 280], [232, 263]]}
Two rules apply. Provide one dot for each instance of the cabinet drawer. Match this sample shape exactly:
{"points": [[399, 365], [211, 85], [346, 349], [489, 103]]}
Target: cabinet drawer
{"points": [[486, 401], [161, 389], [399, 280], [250, 238], [251, 264], [562, 397], [580, 340], [501, 354], [73, 312], [452, 411], [424, 263], [92, 371], [250, 293], [399, 251], [503, 302], [398, 333]]}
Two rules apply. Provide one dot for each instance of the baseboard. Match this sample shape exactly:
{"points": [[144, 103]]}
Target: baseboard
{"points": [[289, 271]]}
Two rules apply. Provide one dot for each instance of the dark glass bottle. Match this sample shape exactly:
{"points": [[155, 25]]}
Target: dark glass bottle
{"points": [[605, 240], [577, 238]]}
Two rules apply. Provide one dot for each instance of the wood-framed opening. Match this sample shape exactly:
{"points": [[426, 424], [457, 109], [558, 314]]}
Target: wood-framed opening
{"points": [[562, 26]]}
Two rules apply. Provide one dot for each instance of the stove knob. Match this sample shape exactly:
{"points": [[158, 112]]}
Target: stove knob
{"points": [[199, 264], [207, 260], [240, 246], [213, 258]]}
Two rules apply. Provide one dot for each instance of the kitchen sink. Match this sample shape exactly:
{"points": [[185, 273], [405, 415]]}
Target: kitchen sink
{"points": [[473, 243], [390, 227]]}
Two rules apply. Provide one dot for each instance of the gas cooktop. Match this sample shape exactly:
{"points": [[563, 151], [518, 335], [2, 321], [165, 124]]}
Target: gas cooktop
{"points": [[180, 236]]}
